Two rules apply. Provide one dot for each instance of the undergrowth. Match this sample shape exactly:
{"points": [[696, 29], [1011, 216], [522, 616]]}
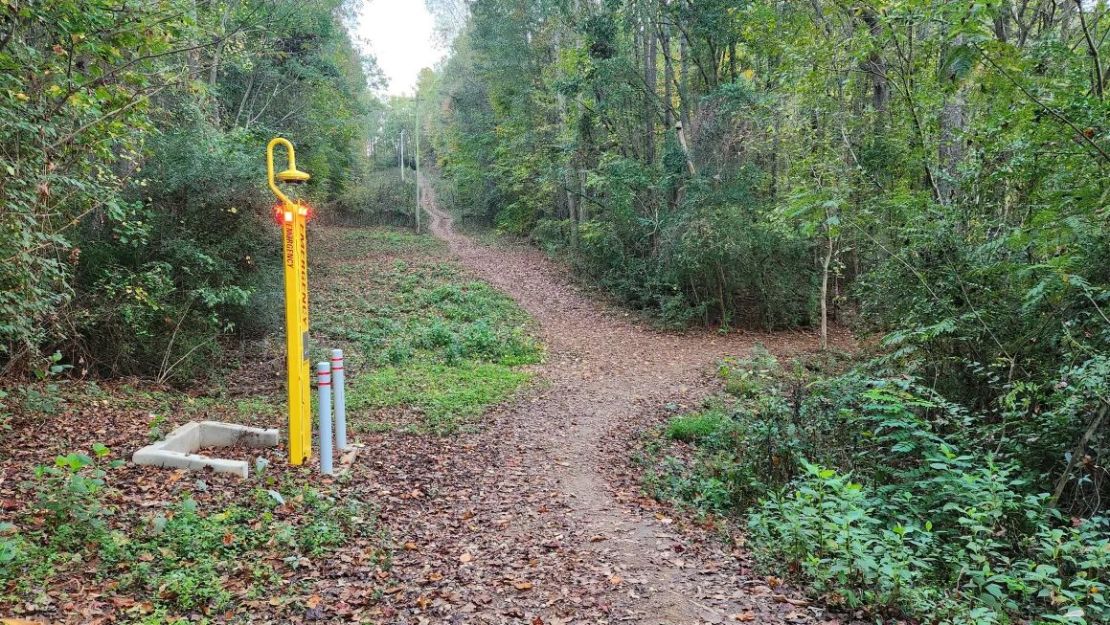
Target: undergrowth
{"points": [[880, 496], [162, 563]]}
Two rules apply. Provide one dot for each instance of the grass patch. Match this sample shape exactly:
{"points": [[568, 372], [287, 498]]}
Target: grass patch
{"points": [[705, 477], [422, 337], [735, 445], [698, 427], [445, 395], [362, 241]]}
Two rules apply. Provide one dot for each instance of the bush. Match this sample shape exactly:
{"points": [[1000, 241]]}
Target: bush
{"points": [[165, 280], [70, 499], [739, 271], [710, 260], [826, 527]]}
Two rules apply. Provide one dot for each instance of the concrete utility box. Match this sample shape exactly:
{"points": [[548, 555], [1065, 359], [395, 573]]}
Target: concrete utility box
{"points": [[177, 451]]}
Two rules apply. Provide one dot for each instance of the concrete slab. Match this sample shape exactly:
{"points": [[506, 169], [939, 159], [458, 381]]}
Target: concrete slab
{"points": [[177, 450]]}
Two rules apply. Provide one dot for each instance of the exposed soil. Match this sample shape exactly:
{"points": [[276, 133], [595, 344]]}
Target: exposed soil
{"points": [[528, 520]]}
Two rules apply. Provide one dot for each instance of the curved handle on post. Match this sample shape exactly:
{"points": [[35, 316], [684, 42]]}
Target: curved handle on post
{"points": [[292, 155]]}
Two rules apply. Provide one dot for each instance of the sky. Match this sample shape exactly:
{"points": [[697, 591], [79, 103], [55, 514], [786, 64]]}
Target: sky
{"points": [[401, 35]]}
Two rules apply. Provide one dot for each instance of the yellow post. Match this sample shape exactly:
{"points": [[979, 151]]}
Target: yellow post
{"points": [[293, 217]]}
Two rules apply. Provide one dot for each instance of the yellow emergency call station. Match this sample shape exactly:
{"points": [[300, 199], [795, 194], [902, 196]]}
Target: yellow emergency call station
{"points": [[293, 216]]}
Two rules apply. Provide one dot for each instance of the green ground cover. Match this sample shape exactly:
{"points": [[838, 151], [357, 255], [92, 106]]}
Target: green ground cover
{"points": [[425, 339]]}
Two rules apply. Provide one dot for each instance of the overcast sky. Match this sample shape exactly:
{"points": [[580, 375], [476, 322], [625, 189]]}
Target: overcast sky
{"points": [[401, 35]]}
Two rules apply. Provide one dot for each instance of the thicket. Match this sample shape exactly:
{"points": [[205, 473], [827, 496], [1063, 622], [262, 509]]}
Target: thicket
{"points": [[378, 196], [881, 494], [135, 232]]}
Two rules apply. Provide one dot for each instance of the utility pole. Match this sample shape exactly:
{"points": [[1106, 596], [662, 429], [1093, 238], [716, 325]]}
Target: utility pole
{"points": [[417, 166], [402, 155]]}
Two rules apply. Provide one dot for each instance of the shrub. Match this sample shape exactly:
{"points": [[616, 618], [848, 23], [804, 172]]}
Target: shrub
{"points": [[987, 556], [829, 528]]}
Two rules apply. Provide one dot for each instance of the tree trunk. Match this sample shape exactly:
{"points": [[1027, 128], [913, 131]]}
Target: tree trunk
{"points": [[953, 125], [876, 67], [686, 149], [1097, 85], [583, 214], [243, 101], [572, 206], [651, 78], [668, 75], [213, 72], [683, 85], [825, 292]]}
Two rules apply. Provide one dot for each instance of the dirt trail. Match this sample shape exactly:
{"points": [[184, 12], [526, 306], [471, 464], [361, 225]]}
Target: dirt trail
{"points": [[544, 520]]}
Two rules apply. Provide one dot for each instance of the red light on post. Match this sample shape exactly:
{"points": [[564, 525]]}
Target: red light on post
{"points": [[283, 215]]}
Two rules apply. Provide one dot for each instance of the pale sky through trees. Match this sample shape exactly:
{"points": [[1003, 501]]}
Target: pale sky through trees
{"points": [[401, 34]]}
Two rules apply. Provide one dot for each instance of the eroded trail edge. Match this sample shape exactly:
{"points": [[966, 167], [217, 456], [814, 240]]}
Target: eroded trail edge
{"points": [[541, 533]]}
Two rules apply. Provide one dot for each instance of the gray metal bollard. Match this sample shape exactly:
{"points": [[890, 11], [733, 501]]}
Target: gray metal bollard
{"points": [[338, 378], [323, 381]]}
